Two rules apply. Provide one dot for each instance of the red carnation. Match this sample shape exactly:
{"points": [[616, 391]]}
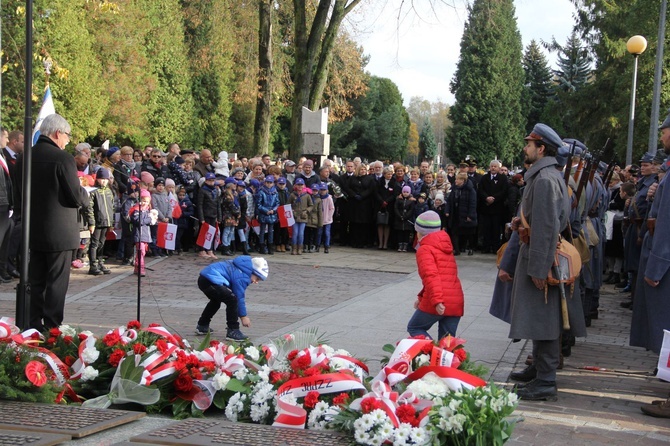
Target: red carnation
{"points": [[161, 345], [341, 399], [111, 339], [68, 339], [311, 399], [301, 362], [183, 383], [69, 360], [312, 371], [461, 354], [291, 355], [135, 325], [369, 404], [427, 349], [407, 414], [139, 349], [116, 357], [55, 332]]}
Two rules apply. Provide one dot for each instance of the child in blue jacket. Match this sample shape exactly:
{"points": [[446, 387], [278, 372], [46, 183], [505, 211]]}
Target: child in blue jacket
{"points": [[226, 282]]}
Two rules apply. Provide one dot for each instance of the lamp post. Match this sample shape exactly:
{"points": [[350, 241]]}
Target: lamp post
{"points": [[636, 46]]}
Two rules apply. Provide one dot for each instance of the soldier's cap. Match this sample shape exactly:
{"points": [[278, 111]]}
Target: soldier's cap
{"points": [[463, 163], [545, 134], [666, 123], [660, 157], [186, 152], [647, 158], [562, 155], [580, 147], [634, 169]]}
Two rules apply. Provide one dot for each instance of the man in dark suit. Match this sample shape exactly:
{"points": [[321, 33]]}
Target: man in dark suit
{"points": [[54, 232], [492, 192], [12, 149]]}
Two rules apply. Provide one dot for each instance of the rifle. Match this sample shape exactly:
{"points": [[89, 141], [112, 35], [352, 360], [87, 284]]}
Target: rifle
{"points": [[564, 301], [608, 173], [566, 176], [583, 179]]}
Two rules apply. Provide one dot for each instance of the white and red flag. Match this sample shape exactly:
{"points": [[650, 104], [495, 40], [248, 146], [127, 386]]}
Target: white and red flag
{"points": [[206, 236], [285, 214], [174, 206], [166, 236]]}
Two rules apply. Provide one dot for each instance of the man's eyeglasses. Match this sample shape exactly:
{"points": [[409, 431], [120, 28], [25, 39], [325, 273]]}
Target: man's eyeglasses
{"points": [[156, 156]]}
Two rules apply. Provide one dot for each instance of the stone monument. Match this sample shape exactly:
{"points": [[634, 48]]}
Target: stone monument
{"points": [[316, 140]]}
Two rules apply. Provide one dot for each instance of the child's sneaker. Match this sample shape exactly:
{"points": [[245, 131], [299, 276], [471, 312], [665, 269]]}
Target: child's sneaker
{"points": [[200, 330], [236, 335]]}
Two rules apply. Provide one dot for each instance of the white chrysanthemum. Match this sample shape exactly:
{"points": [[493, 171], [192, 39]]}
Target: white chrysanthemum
{"points": [[379, 415], [264, 373], [386, 430], [340, 364], [364, 423], [419, 436], [240, 374], [429, 387], [90, 355], [377, 440], [220, 381], [89, 374], [259, 412], [66, 330], [361, 436], [253, 353]]}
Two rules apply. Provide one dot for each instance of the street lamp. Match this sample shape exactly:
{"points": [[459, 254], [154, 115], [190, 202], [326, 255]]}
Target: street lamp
{"points": [[636, 46]]}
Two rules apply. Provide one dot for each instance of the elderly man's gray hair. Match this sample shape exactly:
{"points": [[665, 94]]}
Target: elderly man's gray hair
{"points": [[82, 146], [496, 162], [54, 123]]}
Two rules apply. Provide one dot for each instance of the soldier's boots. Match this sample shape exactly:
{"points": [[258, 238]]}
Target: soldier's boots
{"points": [[525, 375], [538, 390]]}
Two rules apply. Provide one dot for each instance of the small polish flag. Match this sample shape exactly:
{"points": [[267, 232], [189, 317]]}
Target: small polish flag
{"points": [[285, 214], [166, 236], [206, 236]]}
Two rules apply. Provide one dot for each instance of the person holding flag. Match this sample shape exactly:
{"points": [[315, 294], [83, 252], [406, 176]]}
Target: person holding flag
{"points": [[142, 217], [209, 209]]}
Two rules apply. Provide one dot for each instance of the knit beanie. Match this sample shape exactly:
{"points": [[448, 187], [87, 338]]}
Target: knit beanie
{"points": [[427, 223], [169, 182], [406, 190], [147, 178]]}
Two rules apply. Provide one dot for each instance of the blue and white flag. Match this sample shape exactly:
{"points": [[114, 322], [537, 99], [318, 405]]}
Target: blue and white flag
{"points": [[46, 110]]}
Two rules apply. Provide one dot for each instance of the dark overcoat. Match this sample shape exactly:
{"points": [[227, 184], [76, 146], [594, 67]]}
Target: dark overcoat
{"points": [[651, 312], [55, 199], [546, 207]]}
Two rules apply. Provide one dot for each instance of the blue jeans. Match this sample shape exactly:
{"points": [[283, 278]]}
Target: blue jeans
{"points": [[324, 236], [228, 234], [271, 231], [298, 233], [421, 322]]}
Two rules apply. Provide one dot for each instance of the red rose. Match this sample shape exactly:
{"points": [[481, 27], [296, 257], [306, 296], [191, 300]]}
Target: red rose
{"points": [[116, 357], [183, 383], [291, 355], [341, 399], [69, 360], [51, 341], [68, 339], [134, 325], [55, 332], [311, 399], [369, 404], [274, 376], [111, 339], [35, 336], [82, 336], [139, 349]]}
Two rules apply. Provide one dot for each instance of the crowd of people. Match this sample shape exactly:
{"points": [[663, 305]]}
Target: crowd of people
{"points": [[609, 213]]}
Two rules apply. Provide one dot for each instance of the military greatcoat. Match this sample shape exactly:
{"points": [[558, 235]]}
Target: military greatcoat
{"points": [[546, 206]]}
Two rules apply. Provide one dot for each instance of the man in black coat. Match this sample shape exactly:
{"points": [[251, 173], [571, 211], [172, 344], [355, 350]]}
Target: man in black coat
{"points": [[492, 192], [54, 232]]}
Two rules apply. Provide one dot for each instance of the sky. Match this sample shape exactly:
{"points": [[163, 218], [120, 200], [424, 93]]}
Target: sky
{"points": [[420, 51]]}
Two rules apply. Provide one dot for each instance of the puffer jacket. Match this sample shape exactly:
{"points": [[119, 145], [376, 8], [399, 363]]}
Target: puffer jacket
{"points": [[235, 274], [439, 275], [315, 217], [302, 205], [267, 200]]}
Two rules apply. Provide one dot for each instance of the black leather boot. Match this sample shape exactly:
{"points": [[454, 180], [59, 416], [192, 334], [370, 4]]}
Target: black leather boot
{"points": [[525, 375], [538, 390]]}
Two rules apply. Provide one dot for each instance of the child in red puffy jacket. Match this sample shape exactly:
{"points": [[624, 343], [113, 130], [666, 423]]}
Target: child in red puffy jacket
{"points": [[441, 298]]}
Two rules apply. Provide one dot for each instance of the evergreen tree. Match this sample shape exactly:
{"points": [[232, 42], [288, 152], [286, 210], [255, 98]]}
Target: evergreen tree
{"points": [[574, 64], [538, 87], [487, 117], [427, 145]]}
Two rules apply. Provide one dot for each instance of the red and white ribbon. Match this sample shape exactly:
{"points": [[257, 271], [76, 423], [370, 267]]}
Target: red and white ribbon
{"points": [[393, 373], [163, 332], [360, 369], [324, 384], [454, 379], [382, 393], [290, 415], [408, 349], [7, 328], [127, 335], [153, 370], [80, 364]]}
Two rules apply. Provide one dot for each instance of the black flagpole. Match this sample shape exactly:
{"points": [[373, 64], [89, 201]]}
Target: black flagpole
{"points": [[23, 288]]}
